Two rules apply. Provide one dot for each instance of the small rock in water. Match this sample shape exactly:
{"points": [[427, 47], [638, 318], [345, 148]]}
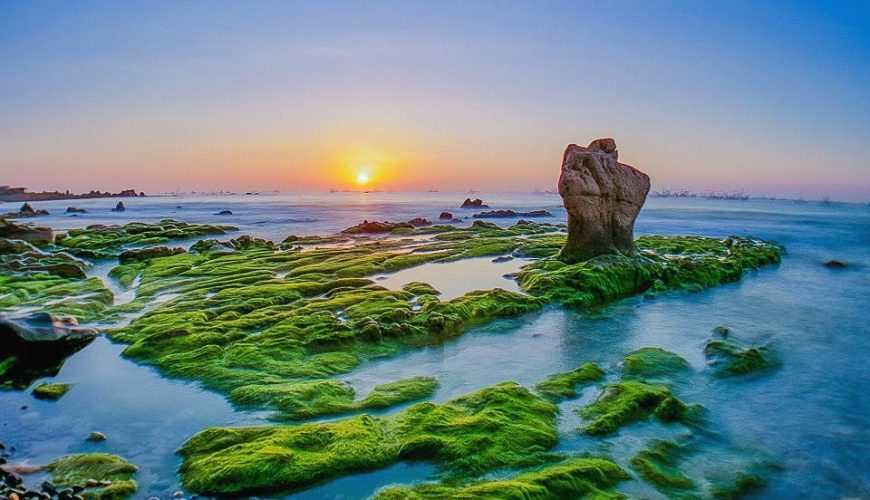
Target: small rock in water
{"points": [[178, 207], [120, 207], [722, 330], [835, 264], [503, 258], [224, 212], [178, 494], [445, 216], [96, 437]]}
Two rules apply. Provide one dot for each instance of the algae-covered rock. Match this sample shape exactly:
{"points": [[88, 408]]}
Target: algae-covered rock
{"points": [[653, 362], [571, 478], [564, 385], [147, 253], [112, 238], [729, 357], [630, 400], [500, 426], [102, 476], [51, 392], [657, 464]]}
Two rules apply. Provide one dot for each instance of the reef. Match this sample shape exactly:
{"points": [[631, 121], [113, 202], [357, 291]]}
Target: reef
{"points": [[94, 476], [729, 357], [564, 385], [578, 477], [500, 426], [111, 238], [654, 362], [657, 464], [628, 401]]}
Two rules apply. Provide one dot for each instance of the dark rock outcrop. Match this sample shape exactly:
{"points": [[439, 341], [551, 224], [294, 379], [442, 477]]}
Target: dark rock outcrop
{"points": [[147, 253], [224, 212], [602, 197], [27, 210], [469, 203], [75, 210], [36, 345], [26, 232], [120, 207], [495, 214], [445, 216]]}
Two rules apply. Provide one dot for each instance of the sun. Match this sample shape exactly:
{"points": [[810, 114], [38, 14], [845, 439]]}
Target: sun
{"points": [[362, 177]]}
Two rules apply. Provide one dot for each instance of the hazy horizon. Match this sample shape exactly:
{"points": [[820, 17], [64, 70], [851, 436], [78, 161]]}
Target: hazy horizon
{"points": [[768, 99]]}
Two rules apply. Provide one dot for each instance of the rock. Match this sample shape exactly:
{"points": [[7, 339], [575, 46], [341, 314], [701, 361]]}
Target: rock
{"points": [[178, 207], [178, 494], [75, 210], [377, 227], [224, 212], [469, 203], [722, 331], [35, 345], [92, 483], [510, 213], [96, 437], [148, 253], [26, 209], [419, 222], [835, 264], [602, 197], [120, 207], [503, 258], [445, 216]]}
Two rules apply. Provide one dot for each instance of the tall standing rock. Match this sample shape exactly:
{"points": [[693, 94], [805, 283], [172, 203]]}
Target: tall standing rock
{"points": [[602, 197]]}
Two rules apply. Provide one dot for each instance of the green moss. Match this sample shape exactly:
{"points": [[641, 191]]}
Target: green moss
{"points": [[112, 238], [75, 470], [653, 362], [572, 478], [84, 299], [731, 358], [401, 391], [630, 400], [743, 484], [657, 464], [51, 392], [661, 263], [564, 385], [500, 426]]}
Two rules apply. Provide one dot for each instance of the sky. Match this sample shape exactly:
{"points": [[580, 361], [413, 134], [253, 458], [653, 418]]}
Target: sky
{"points": [[767, 97]]}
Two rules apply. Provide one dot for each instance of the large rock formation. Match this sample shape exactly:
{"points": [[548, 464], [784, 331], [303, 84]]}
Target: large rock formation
{"points": [[602, 197]]}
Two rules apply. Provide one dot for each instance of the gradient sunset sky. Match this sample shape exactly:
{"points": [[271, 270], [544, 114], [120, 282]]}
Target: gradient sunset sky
{"points": [[767, 97]]}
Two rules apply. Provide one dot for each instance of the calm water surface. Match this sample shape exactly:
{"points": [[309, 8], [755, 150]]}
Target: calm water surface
{"points": [[810, 415]]}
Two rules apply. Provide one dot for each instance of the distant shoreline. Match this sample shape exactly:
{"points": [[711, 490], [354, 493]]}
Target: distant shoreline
{"points": [[8, 194]]}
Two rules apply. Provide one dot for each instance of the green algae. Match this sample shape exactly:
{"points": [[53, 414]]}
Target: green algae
{"points": [[657, 464], [731, 358], [740, 486], [564, 385], [579, 477], [500, 426], [400, 391], [115, 473], [662, 263], [628, 401], [653, 362], [84, 299], [104, 238], [51, 392]]}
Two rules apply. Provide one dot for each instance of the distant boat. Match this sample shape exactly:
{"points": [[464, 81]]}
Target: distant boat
{"points": [[471, 191], [433, 191]]}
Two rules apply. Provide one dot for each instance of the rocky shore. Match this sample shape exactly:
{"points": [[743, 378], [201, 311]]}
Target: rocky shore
{"points": [[10, 194]]}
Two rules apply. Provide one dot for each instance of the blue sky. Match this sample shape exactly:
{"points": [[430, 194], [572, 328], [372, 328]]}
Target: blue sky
{"points": [[769, 97]]}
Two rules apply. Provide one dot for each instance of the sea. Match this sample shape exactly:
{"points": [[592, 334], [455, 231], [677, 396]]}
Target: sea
{"points": [[810, 416]]}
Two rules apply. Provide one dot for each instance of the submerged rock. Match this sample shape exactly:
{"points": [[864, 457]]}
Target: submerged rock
{"points": [[602, 197], [75, 210], [835, 264], [224, 212], [95, 437], [51, 392]]}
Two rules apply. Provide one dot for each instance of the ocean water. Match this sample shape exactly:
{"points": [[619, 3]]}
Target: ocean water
{"points": [[810, 415]]}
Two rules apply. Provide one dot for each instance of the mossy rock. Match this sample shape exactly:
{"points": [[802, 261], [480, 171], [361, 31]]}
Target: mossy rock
{"points": [[657, 464], [571, 478], [500, 426], [654, 362], [51, 392], [730, 358], [564, 385], [628, 401], [114, 474]]}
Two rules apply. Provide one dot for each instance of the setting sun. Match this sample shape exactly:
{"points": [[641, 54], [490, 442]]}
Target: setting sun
{"points": [[362, 178]]}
